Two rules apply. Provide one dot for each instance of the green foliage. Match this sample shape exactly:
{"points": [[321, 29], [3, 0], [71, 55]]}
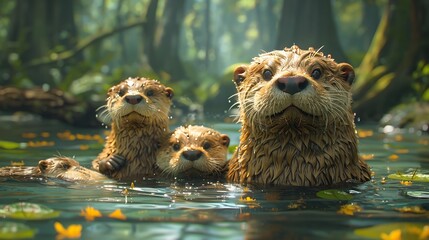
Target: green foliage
{"points": [[334, 194], [421, 81]]}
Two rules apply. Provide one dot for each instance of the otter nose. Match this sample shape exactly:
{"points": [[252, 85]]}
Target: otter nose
{"points": [[192, 155], [292, 84], [133, 99]]}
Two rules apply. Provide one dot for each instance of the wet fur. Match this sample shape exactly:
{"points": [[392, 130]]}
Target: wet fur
{"points": [[304, 139], [212, 144], [136, 130]]}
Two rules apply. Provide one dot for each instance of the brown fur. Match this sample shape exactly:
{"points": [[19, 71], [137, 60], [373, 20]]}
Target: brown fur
{"points": [[212, 147], [137, 129], [303, 139], [63, 168]]}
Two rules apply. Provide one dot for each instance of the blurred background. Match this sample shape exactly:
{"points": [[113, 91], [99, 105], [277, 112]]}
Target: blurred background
{"points": [[58, 58]]}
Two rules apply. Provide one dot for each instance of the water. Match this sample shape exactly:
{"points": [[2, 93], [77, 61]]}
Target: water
{"points": [[200, 209]]}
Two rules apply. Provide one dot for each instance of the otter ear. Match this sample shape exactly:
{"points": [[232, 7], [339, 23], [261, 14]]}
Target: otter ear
{"points": [[239, 74], [347, 73], [169, 92], [225, 140], [43, 165]]}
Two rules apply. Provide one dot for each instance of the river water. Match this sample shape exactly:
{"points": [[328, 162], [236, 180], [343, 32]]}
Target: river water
{"points": [[200, 209]]}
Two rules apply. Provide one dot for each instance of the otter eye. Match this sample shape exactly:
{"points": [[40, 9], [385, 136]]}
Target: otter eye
{"points": [[316, 74], [122, 91], [150, 93], [66, 166], [267, 75], [176, 147], [207, 145]]}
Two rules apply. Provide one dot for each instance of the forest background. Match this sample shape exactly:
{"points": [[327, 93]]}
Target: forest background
{"points": [[58, 58]]}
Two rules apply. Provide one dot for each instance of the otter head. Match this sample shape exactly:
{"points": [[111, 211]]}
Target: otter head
{"points": [[137, 100], [55, 166], [194, 150], [294, 86]]}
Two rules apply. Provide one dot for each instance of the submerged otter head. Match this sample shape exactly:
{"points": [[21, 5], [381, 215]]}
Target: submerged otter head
{"points": [[295, 86], [194, 151], [137, 100], [67, 169], [52, 167], [297, 121]]}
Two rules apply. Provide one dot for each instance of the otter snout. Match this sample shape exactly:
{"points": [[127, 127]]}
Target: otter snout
{"points": [[292, 84], [133, 99], [192, 155]]}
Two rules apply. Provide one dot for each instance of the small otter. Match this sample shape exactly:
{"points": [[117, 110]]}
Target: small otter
{"points": [[297, 121], [138, 109], [63, 168], [194, 151]]}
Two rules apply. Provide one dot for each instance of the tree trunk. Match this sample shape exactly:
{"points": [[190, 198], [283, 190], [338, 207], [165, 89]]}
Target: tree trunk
{"points": [[53, 103], [162, 38], [38, 29], [384, 75], [309, 23]]}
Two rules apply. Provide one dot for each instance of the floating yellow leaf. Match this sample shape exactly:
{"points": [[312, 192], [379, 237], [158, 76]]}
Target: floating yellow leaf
{"points": [[40, 144], [394, 235], [83, 147], [365, 133], [247, 199], [395, 231], [17, 164], [406, 183], [90, 213], [117, 214], [423, 141], [393, 157], [367, 157], [45, 134], [425, 232], [349, 209], [399, 138], [402, 151], [72, 231], [29, 135], [412, 209]]}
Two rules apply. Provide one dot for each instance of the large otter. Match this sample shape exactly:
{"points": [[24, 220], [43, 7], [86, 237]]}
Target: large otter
{"points": [[138, 109], [63, 168], [194, 151], [297, 121]]}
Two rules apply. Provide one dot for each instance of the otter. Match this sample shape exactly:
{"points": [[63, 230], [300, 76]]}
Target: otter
{"points": [[63, 168], [138, 110], [194, 151], [297, 121]]}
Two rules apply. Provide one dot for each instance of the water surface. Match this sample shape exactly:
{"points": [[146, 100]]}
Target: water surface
{"points": [[201, 209]]}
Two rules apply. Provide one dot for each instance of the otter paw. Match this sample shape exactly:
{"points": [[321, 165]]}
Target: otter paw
{"points": [[112, 164]]}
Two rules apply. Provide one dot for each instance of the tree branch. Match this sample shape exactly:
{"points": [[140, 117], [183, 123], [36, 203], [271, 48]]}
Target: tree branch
{"points": [[82, 45]]}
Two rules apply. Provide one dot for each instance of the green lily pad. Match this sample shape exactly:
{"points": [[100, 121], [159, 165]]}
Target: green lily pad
{"points": [[11, 145], [408, 230], [13, 230], [418, 194], [418, 177], [334, 194], [28, 211]]}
